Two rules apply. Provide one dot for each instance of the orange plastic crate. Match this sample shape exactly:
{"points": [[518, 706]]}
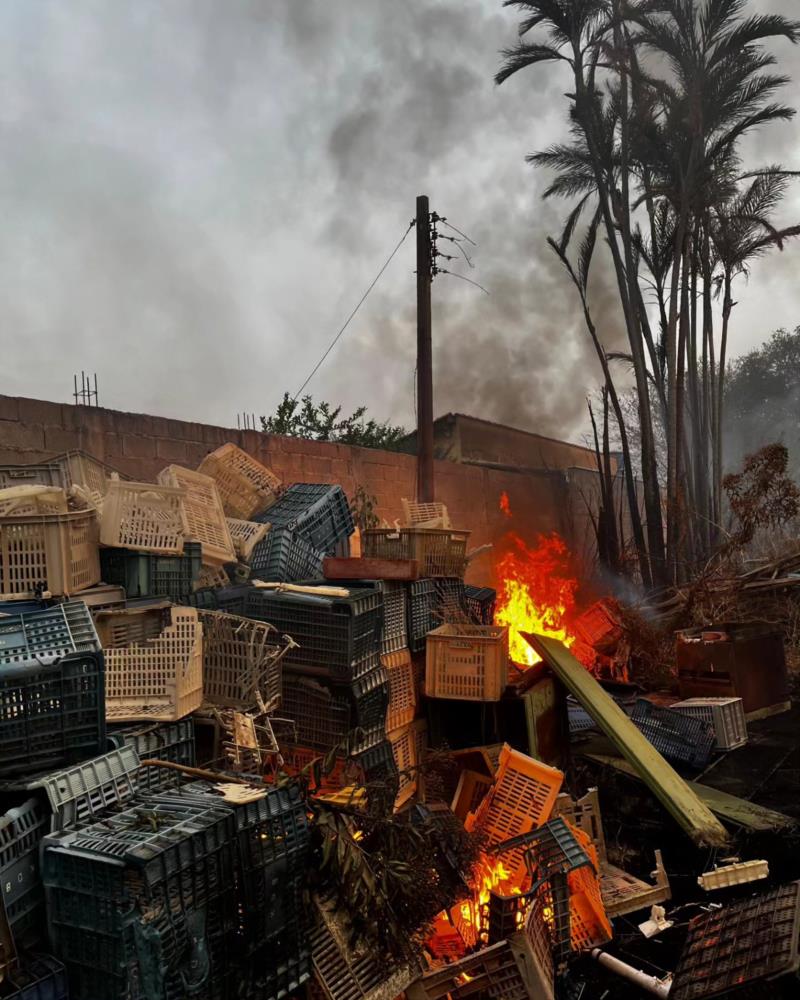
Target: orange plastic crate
{"points": [[467, 662], [521, 799], [56, 551], [159, 678], [246, 486], [589, 925], [205, 517], [402, 689]]}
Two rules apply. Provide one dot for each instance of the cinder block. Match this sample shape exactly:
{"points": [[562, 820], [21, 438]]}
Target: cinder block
{"points": [[9, 408], [39, 411], [134, 446], [171, 451], [20, 437], [58, 440]]}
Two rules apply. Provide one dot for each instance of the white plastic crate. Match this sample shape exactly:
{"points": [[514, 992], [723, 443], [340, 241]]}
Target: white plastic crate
{"points": [[726, 715]]}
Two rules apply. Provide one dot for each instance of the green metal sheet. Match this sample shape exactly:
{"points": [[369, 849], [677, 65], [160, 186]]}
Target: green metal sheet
{"points": [[728, 807], [660, 777]]}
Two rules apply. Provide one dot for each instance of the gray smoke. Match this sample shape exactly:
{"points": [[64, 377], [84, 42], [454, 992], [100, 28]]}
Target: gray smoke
{"points": [[195, 195]]}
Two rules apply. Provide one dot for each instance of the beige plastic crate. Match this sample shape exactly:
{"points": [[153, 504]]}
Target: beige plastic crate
{"points": [[402, 689], [404, 749], [242, 662], [144, 517], [425, 515], [85, 471], [437, 551], [246, 486], [22, 501], [159, 678], [205, 517], [246, 535], [211, 576], [467, 662], [54, 552]]}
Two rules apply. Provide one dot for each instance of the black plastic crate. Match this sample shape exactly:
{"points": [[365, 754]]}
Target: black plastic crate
{"points": [[450, 599], [282, 977], [421, 613], [325, 715], [682, 738], [123, 894], [21, 892], [740, 947], [172, 741], [37, 977], [44, 636], [480, 603], [284, 556], [318, 512], [338, 637], [378, 773], [231, 600], [51, 714], [143, 574]]}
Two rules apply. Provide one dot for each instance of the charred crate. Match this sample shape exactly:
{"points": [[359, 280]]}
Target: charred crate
{"points": [[726, 715], [337, 637], [467, 662]]}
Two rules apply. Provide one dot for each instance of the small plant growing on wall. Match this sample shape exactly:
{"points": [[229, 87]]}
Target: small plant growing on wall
{"points": [[362, 505]]}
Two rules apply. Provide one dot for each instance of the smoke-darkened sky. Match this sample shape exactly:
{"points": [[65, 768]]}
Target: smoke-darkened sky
{"points": [[194, 195]]}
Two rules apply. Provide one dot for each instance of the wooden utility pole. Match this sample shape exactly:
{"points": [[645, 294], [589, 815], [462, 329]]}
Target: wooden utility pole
{"points": [[424, 355]]}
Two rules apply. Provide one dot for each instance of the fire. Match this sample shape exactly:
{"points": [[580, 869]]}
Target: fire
{"points": [[505, 506], [535, 593]]}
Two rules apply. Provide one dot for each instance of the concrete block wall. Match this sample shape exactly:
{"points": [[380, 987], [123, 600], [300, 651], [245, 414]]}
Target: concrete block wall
{"points": [[140, 445]]}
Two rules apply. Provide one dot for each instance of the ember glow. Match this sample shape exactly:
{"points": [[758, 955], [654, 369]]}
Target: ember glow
{"points": [[535, 593], [505, 506]]}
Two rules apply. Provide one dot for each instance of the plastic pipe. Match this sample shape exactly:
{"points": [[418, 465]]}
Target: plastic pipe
{"points": [[658, 987]]}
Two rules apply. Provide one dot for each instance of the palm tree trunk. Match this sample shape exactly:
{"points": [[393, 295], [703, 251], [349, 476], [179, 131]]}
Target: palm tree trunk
{"points": [[727, 306]]}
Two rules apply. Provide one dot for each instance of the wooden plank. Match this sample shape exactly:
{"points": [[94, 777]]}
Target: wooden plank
{"points": [[660, 777], [727, 807], [334, 568]]}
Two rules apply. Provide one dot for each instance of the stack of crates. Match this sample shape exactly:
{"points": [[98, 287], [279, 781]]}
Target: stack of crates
{"points": [[148, 574]]}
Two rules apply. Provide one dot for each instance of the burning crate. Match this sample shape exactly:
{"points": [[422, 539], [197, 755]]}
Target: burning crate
{"points": [[157, 676], [599, 627], [467, 662], [245, 486], [522, 798], [751, 942]]}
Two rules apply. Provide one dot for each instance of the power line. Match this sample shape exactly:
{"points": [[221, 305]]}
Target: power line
{"points": [[352, 314]]}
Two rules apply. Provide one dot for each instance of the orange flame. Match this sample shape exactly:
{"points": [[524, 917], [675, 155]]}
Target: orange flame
{"points": [[505, 506], [535, 593]]}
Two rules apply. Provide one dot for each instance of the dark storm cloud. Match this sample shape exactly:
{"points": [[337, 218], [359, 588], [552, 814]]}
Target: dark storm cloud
{"points": [[195, 195]]}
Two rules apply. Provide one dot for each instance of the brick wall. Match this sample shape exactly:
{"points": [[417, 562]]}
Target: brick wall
{"points": [[140, 445]]}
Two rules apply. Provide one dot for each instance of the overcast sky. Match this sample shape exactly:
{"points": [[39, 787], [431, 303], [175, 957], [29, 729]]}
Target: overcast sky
{"points": [[195, 194]]}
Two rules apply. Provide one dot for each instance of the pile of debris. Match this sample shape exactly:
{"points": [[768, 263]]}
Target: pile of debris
{"points": [[236, 762]]}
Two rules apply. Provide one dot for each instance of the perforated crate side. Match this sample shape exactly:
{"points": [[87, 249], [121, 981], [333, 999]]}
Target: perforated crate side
{"points": [[231, 599], [148, 575], [51, 715], [144, 517], [402, 688], [38, 977], [337, 637], [421, 613], [522, 798], [321, 720], [467, 662], [242, 660], [41, 637], [439, 552], [725, 715], [245, 536], [480, 604], [171, 741], [405, 759], [451, 604], [318, 512], [425, 515], [284, 556], [676, 736], [160, 679], [21, 892], [48, 552], [744, 943], [246, 486], [205, 518]]}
